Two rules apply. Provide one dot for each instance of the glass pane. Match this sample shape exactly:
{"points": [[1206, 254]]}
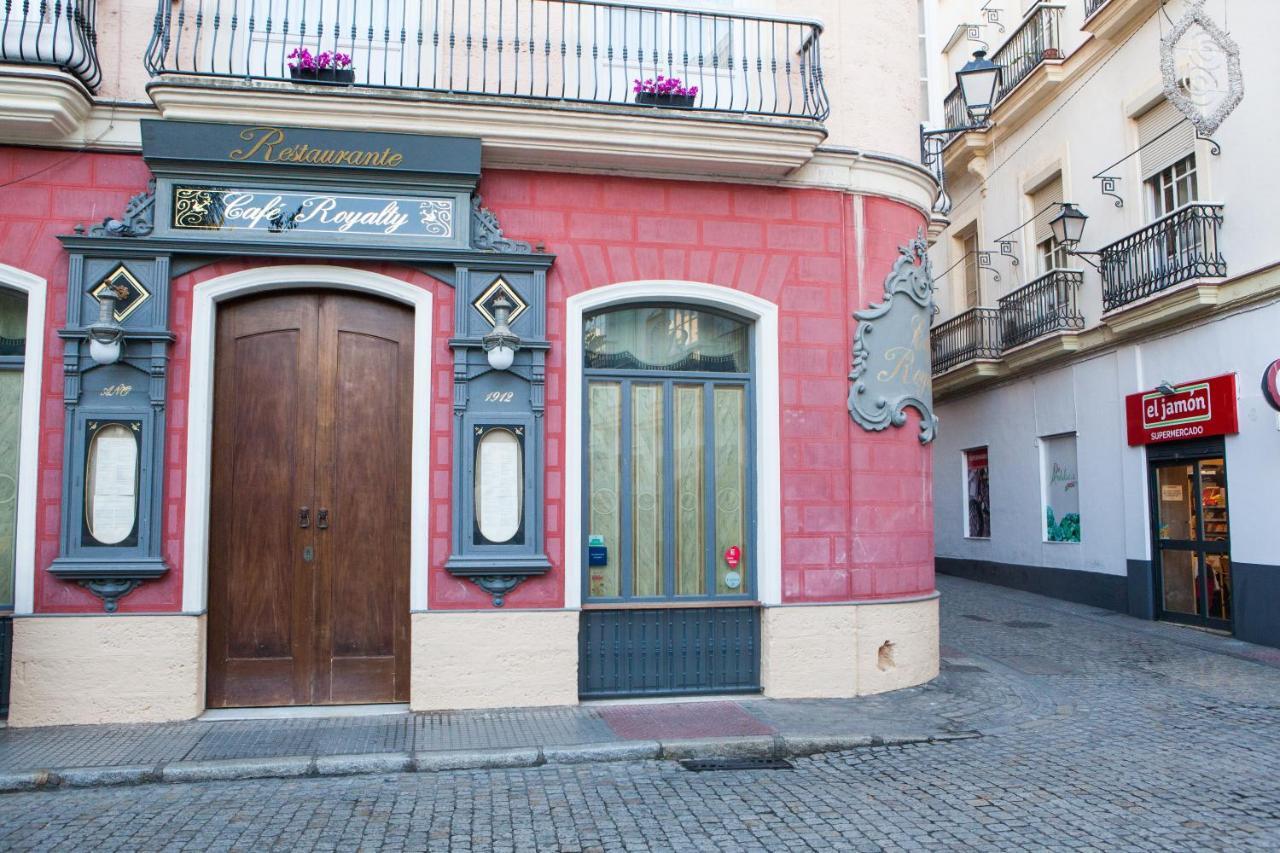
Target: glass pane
{"points": [[1175, 485], [499, 486], [1213, 500], [13, 322], [978, 494], [604, 458], [689, 521], [1178, 575], [647, 490], [111, 484], [1062, 490], [1219, 569], [664, 338], [731, 486], [10, 427]]}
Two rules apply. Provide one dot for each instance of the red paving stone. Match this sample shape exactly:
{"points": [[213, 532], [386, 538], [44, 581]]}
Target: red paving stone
{"points": [[689, 720]]}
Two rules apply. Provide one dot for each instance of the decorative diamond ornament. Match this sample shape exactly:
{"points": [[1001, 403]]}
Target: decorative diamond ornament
{"points": [[1200, 65], [483, 303], [123, 282]]}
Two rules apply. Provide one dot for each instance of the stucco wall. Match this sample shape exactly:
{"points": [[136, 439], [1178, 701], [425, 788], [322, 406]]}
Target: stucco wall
{"points": [[840, 651], [1088, 398], [104, 669], [488, 659], [856, 505]]}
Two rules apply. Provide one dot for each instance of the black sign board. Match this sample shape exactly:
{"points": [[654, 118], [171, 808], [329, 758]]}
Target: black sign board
{"points": [[174, 145]]}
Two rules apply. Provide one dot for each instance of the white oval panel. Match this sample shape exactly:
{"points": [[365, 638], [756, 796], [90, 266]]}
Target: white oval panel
{"points": [[111, 484], [499, 485]]}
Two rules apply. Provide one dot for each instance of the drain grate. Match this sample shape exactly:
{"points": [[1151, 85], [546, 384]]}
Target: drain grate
{"points": [[703, 765]]}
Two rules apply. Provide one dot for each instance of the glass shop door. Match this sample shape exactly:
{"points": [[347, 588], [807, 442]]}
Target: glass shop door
{"points": [[1192, 541]]}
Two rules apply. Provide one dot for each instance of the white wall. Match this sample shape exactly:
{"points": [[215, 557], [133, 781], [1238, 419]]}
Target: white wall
{"points": [[1089, 397], [1089, 126]]}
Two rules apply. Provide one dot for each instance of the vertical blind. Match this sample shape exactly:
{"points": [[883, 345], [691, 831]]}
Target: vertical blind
{"points": [[1161, 151]]}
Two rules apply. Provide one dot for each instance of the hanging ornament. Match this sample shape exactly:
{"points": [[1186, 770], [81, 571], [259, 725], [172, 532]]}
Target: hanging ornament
{"points": [[1200, 65]]}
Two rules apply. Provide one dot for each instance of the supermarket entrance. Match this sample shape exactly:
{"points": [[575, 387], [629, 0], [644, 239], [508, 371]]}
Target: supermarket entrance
{"points": [[1191, 533]]}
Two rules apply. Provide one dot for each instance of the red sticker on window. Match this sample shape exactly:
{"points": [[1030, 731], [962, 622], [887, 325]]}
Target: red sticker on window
{"points": [[732, 555]]}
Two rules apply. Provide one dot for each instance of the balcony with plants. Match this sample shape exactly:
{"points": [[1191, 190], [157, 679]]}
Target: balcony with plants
{"points": [[597, 67]]}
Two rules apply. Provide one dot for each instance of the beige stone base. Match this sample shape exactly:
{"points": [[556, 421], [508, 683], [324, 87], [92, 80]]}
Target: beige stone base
{"points": [[106, 669], [493, 659], [839, 651]]}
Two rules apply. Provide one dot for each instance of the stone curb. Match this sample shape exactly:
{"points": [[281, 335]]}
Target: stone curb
{"points": [[293, 767]]}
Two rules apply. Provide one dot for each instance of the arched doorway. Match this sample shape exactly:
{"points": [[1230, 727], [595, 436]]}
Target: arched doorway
{"points": [[309, 501], [668, 502]]}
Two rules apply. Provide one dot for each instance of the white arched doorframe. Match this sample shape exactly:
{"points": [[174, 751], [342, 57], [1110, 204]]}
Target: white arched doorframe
{"points": [[24, 575], [764, 315], [205, 299]]}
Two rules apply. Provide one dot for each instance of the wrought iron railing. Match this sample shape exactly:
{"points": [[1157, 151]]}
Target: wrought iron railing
{"points": [[965, 337], [52, 32], [1091, 6], [1037, 39], [1048, 304], [1176, 248], [562, 50]]}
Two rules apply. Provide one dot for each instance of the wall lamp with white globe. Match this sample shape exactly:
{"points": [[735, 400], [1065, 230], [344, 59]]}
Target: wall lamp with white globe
{"points": [[500, 345], [106, 336]]}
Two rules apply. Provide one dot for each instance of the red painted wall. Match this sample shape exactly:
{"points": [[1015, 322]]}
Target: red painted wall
{"points": [[856, 506]]}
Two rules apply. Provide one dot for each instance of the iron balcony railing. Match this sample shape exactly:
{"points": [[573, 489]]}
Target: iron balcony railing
{"points": [[562, 50], [965, 337], [1037, 39], [1176, 248], [58, 33], [1048, 304], [1091, 6]]}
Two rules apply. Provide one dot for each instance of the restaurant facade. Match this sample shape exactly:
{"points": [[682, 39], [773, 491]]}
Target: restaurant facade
{"points": [[337, 392]]}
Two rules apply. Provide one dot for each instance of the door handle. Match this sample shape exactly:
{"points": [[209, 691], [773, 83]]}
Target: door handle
{"points": [[304, 517], [322, 519]]}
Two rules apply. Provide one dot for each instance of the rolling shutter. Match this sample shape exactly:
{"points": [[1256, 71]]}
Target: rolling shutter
{"points": [[1160, 152], [1048, 196]]}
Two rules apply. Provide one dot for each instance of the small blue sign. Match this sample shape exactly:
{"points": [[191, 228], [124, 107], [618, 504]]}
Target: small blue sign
{"points": [[597, 555]]}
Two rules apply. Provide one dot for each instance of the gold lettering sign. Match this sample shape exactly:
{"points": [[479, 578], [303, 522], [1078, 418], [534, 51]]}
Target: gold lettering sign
{"points": [[271, 145]]}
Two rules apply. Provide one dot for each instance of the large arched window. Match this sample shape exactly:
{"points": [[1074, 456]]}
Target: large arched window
{"points": [[669, 510]]}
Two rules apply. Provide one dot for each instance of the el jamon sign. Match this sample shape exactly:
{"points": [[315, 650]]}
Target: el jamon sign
{"points": [[1195, 410]]}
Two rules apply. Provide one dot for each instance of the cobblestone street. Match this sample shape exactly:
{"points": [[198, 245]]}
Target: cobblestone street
{"points": [[1137, 736]]}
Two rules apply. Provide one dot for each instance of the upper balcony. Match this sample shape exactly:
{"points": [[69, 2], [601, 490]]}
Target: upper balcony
{"points": [[48, 45], [463, 67], [54, 34], [1165, 270]]}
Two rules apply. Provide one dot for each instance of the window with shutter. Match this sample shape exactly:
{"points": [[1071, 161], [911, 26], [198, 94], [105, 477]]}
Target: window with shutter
{"points": [[1165, 137], [1045, 202], [972, 284]]}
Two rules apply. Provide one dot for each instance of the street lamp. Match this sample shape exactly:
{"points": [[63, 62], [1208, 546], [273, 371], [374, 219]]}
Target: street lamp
{"points": [[500, 345], [978, 81], [1068, 228]]}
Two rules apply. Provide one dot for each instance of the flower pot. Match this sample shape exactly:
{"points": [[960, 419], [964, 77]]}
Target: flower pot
{"points": [[653, 99], [336, 76], [1052, 53]]}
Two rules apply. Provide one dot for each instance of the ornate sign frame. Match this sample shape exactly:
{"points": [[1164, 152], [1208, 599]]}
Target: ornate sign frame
{"points": [[889, 345], [1206, 123]]}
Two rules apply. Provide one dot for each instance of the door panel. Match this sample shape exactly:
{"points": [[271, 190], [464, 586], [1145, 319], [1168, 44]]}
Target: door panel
{"points": [[262, 473], [365, 439], [1193, 546], [312, 409]]}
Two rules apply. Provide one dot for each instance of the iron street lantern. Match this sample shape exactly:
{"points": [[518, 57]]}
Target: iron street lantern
{"points": [[978, 81], [1068, 225]]}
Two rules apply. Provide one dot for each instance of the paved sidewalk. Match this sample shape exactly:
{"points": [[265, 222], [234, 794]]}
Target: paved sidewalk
{"points": [[993, 681]]}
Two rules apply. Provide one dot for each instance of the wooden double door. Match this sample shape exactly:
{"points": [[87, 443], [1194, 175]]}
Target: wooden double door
{"points": [[310, 514]]}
